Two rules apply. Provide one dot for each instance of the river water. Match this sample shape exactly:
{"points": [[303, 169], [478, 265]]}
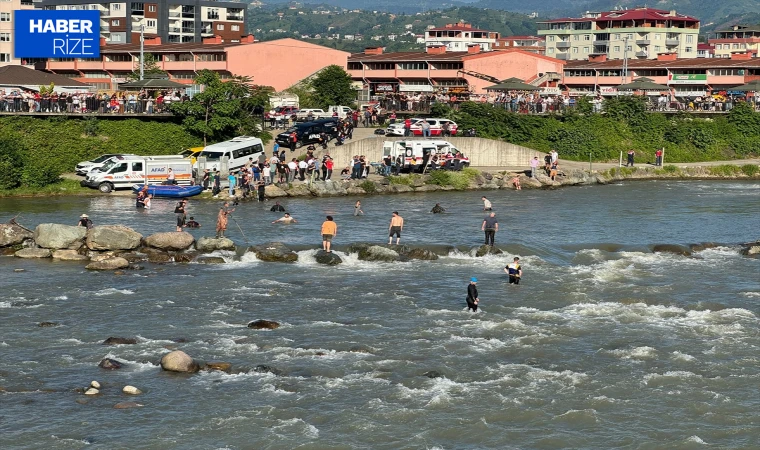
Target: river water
{"points": [[605, 344]]}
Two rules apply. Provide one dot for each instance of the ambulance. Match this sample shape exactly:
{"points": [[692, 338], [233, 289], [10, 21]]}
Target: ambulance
{"points": [[416, 155], [123, 172]]}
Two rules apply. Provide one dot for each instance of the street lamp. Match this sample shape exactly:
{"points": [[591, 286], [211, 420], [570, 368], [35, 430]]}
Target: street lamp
{"points": [[142, 47]]}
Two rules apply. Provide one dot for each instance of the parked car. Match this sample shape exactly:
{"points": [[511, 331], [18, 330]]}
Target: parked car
{"points": [[342, 111], [436, 127], [85, 166], [309, 132], [285, 111], [311, 114]]}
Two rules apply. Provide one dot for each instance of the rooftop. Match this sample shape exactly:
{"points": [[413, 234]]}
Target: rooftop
{"points": [[628, 14], [409, 56], [682, 63], [22, 76]]}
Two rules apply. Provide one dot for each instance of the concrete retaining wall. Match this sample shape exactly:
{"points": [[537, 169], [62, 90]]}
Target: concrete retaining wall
{"points": [[482, 152]]}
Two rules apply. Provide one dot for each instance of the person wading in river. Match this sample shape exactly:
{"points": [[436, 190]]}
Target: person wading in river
{"points": [[514, 270], [221, 219], [472, 295], [395, 227]]}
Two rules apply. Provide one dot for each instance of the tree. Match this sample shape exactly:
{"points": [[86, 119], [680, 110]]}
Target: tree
{"points": [[150, 67], [221, 110], [333, 86], [11, 162]]}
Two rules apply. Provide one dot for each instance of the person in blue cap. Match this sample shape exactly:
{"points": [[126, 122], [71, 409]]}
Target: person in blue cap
{"points": [[472, 295]]}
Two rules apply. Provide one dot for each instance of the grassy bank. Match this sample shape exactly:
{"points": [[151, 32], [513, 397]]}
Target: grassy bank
{"points": [[61, 187], [625, 125]]}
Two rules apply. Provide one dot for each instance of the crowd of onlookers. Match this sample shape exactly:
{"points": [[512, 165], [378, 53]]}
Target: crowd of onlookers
{"points": [[27, 101]]}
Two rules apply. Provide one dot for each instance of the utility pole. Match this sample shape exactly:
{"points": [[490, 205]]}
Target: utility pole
{"points": [[625, 61], [135, 22]]}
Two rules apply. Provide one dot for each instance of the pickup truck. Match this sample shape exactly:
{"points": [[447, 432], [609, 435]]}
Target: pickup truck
{"points": [[303, 114]]}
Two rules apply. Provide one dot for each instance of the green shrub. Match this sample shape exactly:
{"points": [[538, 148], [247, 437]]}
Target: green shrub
{"points": [[440, 177], [368, 186], [750, 169], [40, 173], [724, 170], [11, 163], [458, 180], [670, 169], [406, 180]]}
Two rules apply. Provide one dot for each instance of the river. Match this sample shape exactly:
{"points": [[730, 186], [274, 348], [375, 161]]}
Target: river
{"points": [[604, 344]]}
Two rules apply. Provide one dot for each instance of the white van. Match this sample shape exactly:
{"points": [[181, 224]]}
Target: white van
{"points": [[123, 172], [342, 111], [237, 151], [85, 166], [416, 150]]}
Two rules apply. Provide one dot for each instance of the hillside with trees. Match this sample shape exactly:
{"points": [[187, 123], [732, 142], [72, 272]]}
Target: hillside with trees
{"points": [[397, 32]]}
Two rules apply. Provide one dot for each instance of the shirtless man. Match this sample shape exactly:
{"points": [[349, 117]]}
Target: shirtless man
{"points": [[397, 224], [285, 219]]}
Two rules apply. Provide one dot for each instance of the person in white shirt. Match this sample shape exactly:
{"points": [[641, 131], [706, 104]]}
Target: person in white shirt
{"points": [[293, 167], [302, 165], [486, 204]]}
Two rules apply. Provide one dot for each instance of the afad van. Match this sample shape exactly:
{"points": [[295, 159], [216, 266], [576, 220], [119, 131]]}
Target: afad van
{"points": [[123, 172], [415, 155]]}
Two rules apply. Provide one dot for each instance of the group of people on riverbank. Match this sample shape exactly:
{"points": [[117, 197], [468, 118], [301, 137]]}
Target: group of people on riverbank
{"points": [[142, 102]]}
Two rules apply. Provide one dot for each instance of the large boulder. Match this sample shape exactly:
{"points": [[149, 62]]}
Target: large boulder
{"points": [[328, 259], [672, 248], [262, 324], [114, 263], [12, 233], [119, 341], [273, 191], [110, 364], [173, 240], [179, 361], [484, 250], [378, 253], [299, 190], [53, 235], [210, 244], [274, 252], [420, 253], [33, 253], [69, 255], [751, 249], [210, 260], [113, 237]]}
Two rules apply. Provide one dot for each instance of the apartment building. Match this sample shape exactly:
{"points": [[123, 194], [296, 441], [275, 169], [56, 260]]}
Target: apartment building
{"points": [[174, 21], [533, 44], [6, 29], [638, 33], [457, 37], [738, 39]]}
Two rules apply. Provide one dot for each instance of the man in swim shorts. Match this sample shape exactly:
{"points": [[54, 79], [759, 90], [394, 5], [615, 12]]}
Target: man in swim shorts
{"points": [[397, 224], [329, 230]]}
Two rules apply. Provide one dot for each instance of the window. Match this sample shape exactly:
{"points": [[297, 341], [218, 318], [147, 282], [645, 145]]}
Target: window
{"points": [[657, 36], [575, 37], [413, 66], [235, 27], [585, 49], [575, 49], [120, 168], [616, 49], [137, 167], [550, 37], [354, 66], [729, 72], [5, 37], [212, 57], [689, 38], [657, 49], [5, 17], [116, 38], [116, 6], [617, 36], [586, 37], [138, 6], [628, 48], [736, 46], [115, 23], [689, 49], [550, 50], [152, 8], [151, 24], [629, 36], [5, 57], [220, 27]]}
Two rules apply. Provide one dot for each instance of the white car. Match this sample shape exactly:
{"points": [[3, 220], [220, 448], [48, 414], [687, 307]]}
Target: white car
{"points": [[436, 127], [85, 166], [303, 114]]}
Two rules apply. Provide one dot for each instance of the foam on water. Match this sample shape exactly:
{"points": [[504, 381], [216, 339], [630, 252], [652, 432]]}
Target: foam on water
{"points": [[111, 291], [637, 353], [751, 294], [298, 425], [679, 356], [696, 439], [670, 377], [5, 305]]}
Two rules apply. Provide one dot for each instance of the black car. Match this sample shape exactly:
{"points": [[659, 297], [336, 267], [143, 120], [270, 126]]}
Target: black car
{"points": [[308, 132]]}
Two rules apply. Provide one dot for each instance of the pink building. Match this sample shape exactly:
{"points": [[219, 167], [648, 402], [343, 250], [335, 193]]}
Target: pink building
{"points": [[279, 64], [439, 70]]}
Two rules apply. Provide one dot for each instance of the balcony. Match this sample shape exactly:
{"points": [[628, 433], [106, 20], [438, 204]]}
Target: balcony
{"points": [[602, 42], [562, 56], [188, 15], [210, 16], [174, 14], [235, 17], [672, 42], [642, 54], [563, 44], [174, 30], [643, 42]]}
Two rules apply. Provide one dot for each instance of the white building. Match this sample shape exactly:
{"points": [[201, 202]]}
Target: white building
{"points": [[457, 37]]}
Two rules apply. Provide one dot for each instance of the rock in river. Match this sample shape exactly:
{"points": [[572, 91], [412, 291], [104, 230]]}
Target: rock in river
{"points": [[47, 324], [12, 233], [274, 252], [131, 390], [69, 255], [113, 237], [127, 405], [119, 341], [179, 361], [172, 240], [53, 235], [263, 324], [114, 263], [109, 364], [329, 259], [221, 366], [209, 244], [33, 253], [378, 253], [484, 250]]}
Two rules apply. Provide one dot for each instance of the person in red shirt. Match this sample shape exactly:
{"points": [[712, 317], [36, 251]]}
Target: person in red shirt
{"points": [[407, 127], [329, 165]]}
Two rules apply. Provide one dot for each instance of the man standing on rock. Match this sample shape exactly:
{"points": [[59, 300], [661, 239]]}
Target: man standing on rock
{"points": [[533, 166], [221, 219], [472, 295], [490, 226], [329, 231], [397, 224]]}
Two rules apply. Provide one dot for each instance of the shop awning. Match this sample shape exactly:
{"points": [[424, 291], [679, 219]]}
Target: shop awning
{"points": [[643, 84], [415, 88], [752, 86], [513, 84]]}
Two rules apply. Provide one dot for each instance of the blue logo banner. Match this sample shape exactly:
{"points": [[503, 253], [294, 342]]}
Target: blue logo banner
{"points": [[56, 34]]}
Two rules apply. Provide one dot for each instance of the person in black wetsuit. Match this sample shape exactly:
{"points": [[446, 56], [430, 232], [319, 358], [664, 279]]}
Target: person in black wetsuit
{"points": [[472, 295], [277, 208]]}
